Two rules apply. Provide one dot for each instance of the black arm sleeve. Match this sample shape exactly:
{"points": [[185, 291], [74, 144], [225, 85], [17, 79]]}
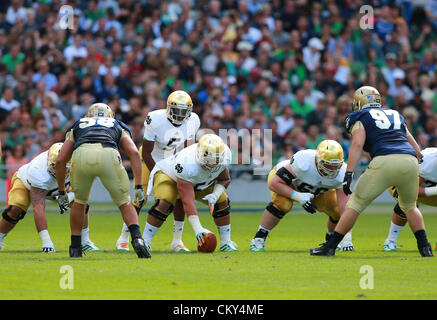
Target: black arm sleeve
{"points": [[285, 175]]}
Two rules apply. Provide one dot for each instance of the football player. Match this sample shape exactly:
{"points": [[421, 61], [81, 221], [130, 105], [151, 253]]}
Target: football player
{"points": [[33, 183], [314, 179], [95, 140], [165, 133], [427, 195], [395, 157], [198, 172]]}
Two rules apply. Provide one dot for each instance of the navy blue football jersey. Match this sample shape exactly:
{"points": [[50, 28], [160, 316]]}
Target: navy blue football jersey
{"points": [[386, 131], [106, 131]]}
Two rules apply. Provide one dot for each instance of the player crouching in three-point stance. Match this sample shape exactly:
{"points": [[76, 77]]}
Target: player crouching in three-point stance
{"points": [[427, 195], [34, 183], [314, 179], [165, 134], [95, 140], [395, 162], [198, 172]]}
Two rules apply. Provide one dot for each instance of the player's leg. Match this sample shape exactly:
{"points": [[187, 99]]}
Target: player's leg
{"points": [[397, 223], [178, 227], [430, 201], [19, 201], [407, 185], [115, 179], [122, 243], [165, 192], [87, 244]]}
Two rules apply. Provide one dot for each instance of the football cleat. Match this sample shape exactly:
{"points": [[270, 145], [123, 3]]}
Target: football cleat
{"points": [[89, 246], [426, 251], [75, 252], [179, 247], [346, 246], [122, 244], [141, 248], [2, 246], [257, 244], [229, 246], [48, 248], [322, 251], [390, 246]]}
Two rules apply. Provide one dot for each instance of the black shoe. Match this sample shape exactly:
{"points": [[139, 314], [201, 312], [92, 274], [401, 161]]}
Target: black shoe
{"points": [[75, 252], [140, 248], [322, 251], [426, 251]]}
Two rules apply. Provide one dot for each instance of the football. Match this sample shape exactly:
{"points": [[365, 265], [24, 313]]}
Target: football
{"points": [[210, 243]]}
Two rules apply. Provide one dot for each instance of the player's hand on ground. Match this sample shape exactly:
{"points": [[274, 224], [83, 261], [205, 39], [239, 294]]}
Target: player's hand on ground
{"points": [[63, 202], [347, 181], [201, 237], [211, 198], [139, 196]]}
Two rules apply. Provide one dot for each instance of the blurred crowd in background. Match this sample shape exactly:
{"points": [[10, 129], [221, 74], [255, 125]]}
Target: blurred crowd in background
{"points": [[286, 65]]}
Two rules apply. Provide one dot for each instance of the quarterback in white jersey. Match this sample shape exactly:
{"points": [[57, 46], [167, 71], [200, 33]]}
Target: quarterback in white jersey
{"points": [[427, 195], [199, 172], [166, 132], [33, 183], [312, 178]]}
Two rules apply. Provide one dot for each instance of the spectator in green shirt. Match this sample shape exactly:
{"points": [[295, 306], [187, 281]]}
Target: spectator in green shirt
{"points": [[299, 105], [13, 58]]}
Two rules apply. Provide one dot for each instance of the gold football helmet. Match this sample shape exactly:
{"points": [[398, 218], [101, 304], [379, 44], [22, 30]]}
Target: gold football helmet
{"points": [[179, 107], [52, 157], [366, 97], [329, 158], [99, 110], [210, 151]]}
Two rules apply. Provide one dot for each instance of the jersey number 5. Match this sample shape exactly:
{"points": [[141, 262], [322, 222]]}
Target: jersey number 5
{"points": [[382, 120], [89, 122]]}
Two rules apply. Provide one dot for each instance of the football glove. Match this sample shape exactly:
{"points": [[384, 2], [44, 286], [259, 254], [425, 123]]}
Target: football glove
{"points": [[201, 237], [305, 200], [63, 202], [211, 198], [347, 181], [139, 197]]}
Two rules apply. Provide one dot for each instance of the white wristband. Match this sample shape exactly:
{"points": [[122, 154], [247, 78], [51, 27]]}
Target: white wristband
{"points": [[218, 190], [431, 191], [195, 223]]}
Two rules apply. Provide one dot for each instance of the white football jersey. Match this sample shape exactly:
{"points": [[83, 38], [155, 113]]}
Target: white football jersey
{"points": [[428, 168], [35, 174], [308, 179], [185, 166], [169, 139]]}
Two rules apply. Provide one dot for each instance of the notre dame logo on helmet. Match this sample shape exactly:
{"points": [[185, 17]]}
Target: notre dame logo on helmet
{"points": [[178, 168], [148, 120]]}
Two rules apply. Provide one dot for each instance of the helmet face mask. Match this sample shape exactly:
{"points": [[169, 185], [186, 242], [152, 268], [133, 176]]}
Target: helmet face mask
{"points": [[99, 110], [179, 107], [52, 157], [329, 158], [210, 152], [366, 97]]}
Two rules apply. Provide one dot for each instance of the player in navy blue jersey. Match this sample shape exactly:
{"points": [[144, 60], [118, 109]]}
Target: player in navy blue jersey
{"points": [[395, 157], [92, 144]]}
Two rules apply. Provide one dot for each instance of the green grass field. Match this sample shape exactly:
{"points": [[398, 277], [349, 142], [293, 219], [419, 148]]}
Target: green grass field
{"points": [[285, 271]]}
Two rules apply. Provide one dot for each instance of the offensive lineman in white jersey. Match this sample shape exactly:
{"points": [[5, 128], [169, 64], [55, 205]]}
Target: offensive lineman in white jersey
{"points": [[312, 178], [33, 183], [427, 195], [166, 132], [198, 172]]}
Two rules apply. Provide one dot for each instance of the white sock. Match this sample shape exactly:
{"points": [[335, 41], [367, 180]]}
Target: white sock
{"points": [[125, 233], [2, 237], [394, 232], [85, 235], [45, 238], [225, 233], [149, 232], [178, 228]]}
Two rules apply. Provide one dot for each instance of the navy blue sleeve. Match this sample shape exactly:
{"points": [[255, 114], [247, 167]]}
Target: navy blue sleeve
{"points": [[350, 120], [70, 128], [125, 127]]}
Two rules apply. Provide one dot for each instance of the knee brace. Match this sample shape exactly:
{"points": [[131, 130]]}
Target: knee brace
{"points": [[158, 214], [275, 211], [217, 213], [12, 220], [399, 211], [332, 220]]}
